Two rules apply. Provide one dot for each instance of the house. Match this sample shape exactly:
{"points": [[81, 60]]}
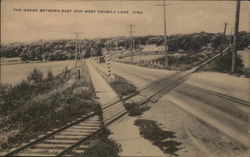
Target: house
{"points": [[153, 48]]}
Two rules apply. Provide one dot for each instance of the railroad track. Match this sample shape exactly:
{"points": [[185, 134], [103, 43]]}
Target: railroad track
{"points": [[60, 141], [68, 138], [233, 99]]}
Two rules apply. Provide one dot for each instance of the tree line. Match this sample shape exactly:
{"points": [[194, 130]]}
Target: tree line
{"points": [[65, 49]]}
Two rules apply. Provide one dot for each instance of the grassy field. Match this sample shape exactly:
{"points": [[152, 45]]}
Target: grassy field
{"points": [[15, 73]]}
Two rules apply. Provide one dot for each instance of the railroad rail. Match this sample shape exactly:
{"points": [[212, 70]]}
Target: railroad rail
{"points": [[233, 99], [60, 141]]}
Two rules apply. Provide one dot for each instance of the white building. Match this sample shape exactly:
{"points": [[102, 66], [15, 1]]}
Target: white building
{"points": [[152, 48]]}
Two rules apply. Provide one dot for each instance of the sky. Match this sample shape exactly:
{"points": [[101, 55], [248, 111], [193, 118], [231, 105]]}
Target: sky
{"points": [[181, 17]]}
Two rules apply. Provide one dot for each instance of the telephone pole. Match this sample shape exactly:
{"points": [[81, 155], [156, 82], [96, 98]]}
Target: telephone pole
{"points": [[223, 39], [0, 49], [165, 31], [76, 47], [131, 41], [231, 37], [80, 50], [236, 30], [139, 41]]}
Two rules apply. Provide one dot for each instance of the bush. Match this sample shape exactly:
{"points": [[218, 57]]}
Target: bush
{"points": [[35, 76], [104, 147], [50, 76], [225, 64], [122, 86], [5, 90], [247, 72], [161, 138], [137, 111], [28, 108]]}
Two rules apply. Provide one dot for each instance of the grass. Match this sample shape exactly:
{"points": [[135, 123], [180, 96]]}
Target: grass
{"points": [[122, 87], [14, 96], [31, 108], [135, 111], [101, 146], [162, 139]]}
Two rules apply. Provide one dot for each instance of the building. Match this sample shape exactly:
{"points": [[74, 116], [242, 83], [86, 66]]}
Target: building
{"points": [[152, 48]]}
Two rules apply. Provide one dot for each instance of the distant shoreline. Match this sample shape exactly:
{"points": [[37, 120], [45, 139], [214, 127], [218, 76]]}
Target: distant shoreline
{"points": [[14, 63]]}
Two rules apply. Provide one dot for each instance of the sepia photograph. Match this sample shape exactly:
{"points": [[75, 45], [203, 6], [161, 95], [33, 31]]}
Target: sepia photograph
{"points": [[125, 78]]}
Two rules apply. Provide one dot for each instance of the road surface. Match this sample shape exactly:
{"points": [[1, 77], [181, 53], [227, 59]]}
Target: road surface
{"points": [[205, 124]]}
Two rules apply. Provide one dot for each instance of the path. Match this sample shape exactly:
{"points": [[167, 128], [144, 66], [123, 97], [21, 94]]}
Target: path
{"points": [[123, 132]]}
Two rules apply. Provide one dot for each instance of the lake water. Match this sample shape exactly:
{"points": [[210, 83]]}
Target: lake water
{"points": [[15, 73]]}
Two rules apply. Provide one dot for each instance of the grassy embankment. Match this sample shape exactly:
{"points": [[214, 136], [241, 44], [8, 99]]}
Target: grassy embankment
{"points": [[39, 104], [162, 139]]}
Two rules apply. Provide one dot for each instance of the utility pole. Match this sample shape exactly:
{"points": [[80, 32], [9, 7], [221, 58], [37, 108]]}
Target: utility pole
{"points": [[236, 30], [0, 49], [1, 66], [231, 37], [76, 47], [91, 51], [223, 39], [139, 41], [131, 41], [80, 49], [165, 31]]}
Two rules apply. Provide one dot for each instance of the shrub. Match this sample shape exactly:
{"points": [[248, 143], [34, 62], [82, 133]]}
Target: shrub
{"points": [[103, 147], [247, 72], [225, 64], [122, 86], [50, 76], [35, 76], [150, 130]]}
